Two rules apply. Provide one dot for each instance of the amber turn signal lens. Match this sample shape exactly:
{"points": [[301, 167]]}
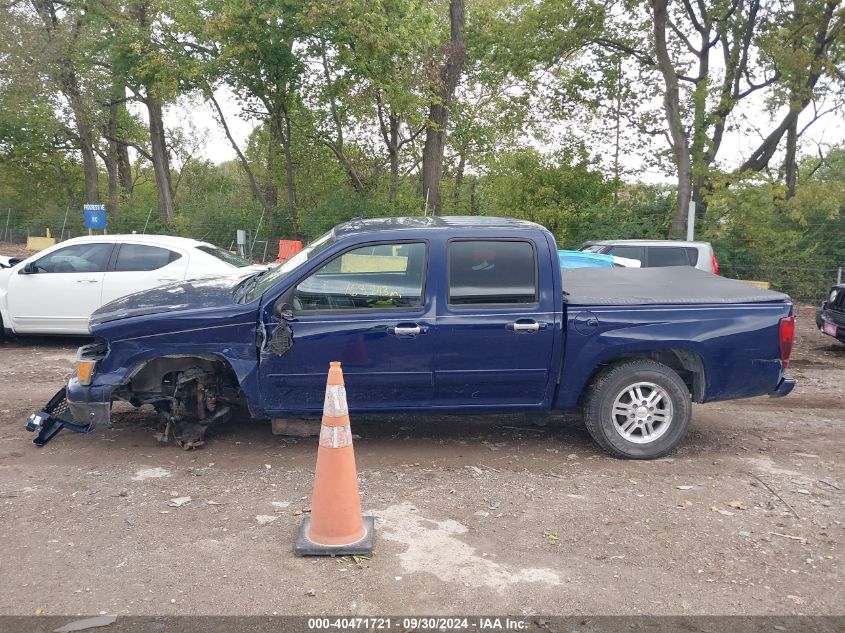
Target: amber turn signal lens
{"points": [[85, 371]]}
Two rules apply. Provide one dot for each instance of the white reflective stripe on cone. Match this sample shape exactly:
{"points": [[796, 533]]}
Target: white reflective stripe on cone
{"points": [[334, 405], [335, 436]]}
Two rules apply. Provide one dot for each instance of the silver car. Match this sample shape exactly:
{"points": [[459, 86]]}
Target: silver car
{"points": [[654, 253]]}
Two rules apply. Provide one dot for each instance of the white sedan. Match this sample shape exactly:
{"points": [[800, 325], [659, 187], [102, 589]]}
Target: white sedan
{"points": [[55, 291]]}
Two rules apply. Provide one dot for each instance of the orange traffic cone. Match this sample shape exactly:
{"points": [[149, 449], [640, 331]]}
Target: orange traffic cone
{"points": [[335, 527]]}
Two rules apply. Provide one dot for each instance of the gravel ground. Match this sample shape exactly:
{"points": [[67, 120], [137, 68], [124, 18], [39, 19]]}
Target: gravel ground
{"points": [[481, 515]]}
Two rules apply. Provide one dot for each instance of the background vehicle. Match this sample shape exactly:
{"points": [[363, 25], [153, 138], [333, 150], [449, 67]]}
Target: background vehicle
{"points": [[55, 291], [830, 318], [656, 253], [581, 259], [460, 315]]}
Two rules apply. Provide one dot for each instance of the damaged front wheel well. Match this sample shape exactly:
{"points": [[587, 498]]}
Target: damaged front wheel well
{"points": [[191, 393], [149, 376]]}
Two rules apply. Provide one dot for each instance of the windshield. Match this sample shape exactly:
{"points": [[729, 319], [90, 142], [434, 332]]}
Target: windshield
{"points": [[269, 279], [226, 256]]}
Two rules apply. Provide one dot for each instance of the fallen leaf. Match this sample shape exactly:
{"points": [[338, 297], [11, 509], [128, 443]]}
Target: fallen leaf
{"points": [[737, 505]]}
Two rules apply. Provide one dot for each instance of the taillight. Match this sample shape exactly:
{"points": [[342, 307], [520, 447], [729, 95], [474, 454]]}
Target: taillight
{"points": [[786, 335], [715, 264]]}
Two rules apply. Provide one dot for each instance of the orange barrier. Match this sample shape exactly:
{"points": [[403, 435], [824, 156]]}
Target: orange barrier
{"points": [[287, 249], [335, 527]]}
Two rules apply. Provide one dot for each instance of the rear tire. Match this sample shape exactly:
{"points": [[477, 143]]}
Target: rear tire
{"points": [[638, 409]]}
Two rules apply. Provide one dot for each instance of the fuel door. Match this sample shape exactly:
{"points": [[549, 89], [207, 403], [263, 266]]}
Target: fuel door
{"points": [[586, 322]]}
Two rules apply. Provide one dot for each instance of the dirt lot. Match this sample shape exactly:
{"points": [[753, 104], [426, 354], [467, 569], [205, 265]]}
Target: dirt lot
{"points": [[475, 516]]}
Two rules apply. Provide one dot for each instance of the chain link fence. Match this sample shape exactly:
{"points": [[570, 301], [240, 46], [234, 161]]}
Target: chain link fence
{"points": [[807, 280]]}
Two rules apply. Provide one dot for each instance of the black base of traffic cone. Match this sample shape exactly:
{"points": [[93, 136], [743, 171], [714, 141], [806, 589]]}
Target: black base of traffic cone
{"points": [[306, 547]]}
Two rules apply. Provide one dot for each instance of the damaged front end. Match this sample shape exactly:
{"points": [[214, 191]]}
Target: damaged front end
{"points": [[79, 406], [190, 394], [54, 417]]}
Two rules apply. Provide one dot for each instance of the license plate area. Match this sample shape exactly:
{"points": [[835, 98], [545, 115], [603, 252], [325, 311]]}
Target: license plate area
{"points": [[829, 328]]}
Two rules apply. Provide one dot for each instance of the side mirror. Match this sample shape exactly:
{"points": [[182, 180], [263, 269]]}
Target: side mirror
{"points": [[282, 309]]}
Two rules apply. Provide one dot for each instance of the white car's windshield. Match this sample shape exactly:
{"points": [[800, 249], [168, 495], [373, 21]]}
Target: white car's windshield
{"points": [[267, 280]]}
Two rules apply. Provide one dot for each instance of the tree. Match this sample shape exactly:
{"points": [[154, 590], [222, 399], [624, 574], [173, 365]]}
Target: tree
{"points": [[806, 46], [249, 46], [447, 77], [152, 75], [63, 26]]}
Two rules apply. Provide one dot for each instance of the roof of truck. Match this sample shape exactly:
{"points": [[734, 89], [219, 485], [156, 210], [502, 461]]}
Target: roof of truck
{"points": [[362, 225]]}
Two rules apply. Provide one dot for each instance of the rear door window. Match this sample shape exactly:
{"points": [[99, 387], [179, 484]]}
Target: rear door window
{"points": [[492, 272], [631, 252], [659, 256], [140, 257]]}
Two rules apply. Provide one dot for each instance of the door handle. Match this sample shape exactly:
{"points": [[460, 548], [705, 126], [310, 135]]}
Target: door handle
{"points": [[86, 281], [526, 326], [167, 279], [407, 329]]}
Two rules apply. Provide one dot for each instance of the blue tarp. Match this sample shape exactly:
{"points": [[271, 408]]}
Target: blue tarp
{"points": [[580, 259]]}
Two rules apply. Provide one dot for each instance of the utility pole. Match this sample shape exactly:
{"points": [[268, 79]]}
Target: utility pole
{"points": [[691, 222]]}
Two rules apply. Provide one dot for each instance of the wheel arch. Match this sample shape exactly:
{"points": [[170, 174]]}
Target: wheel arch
{"points": [[686, 363], [151, 371]]}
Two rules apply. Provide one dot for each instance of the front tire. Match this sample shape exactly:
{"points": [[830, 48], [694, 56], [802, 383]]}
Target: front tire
{"points": [[638, 409]]}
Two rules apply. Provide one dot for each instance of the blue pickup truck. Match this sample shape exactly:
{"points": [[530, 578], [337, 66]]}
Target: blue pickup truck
{"points": [[454, 315]]}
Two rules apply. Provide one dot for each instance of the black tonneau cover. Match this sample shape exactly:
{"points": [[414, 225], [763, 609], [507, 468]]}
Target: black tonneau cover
{"points": [[682, 285]]}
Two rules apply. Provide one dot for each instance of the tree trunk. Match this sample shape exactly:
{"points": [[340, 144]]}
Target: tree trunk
{"points": [[85, 136], [790, 164], [274, 169], [112, 154], [393, 153], [290, 185], [89, 165], [438, 116], [160, 156], [671, 104], [124, 171]]}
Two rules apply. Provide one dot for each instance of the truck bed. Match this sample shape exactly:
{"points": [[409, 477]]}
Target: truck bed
{"points": [[679, 285]]}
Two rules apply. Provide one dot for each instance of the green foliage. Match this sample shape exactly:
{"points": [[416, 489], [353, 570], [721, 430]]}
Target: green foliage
{"points": [[557, 112], [794, 244], [559, 192]]}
